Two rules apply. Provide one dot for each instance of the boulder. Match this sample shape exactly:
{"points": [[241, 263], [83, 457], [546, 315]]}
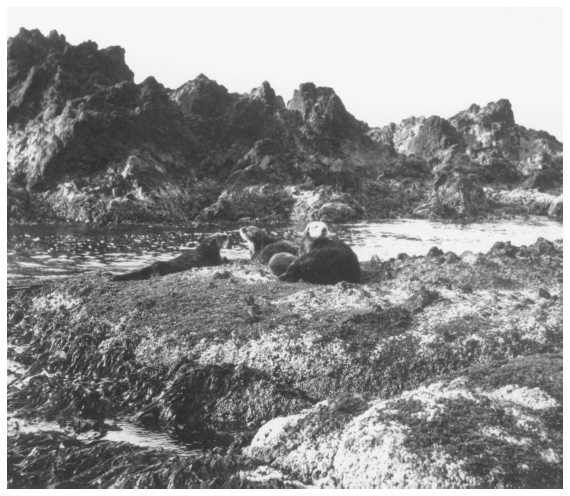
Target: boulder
{"points": [[425, 137], [556, 207], [459, 197], [326, 205], [451, 434], [265, 202], [324, 115]]}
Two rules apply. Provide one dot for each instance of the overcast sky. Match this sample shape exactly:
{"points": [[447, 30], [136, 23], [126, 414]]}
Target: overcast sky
{"points": [[385, 64]]}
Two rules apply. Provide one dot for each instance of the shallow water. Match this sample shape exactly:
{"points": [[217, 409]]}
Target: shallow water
{"points": [[40, 253], [127, 432], [416, 237]]}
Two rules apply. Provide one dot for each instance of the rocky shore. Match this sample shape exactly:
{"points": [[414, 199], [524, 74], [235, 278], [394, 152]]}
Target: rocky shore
{"points": [[443, 370], [88, 144]]}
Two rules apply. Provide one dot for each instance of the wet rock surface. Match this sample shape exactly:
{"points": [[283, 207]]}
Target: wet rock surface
{"points": [[87, 144], [440, 371]]}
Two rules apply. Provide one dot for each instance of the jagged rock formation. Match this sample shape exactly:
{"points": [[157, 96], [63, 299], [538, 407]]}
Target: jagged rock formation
{"points": [[85, 143]]}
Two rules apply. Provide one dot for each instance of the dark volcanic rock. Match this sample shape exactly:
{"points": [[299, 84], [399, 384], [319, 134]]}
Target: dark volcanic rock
{"points": [[263, 164], [326, 205], [542, 293], [434, 135], [324, 115], [37, 63], [495, 120], [460, 197], [88, 133], [544, 180], [87, 144], [491, 133], [226, 120]]}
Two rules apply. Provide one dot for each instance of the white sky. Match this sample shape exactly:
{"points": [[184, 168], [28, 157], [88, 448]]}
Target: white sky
{"points": [[385, 64]]}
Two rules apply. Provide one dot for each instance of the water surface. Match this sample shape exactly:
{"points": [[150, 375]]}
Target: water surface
{"points": [[40, 253]]}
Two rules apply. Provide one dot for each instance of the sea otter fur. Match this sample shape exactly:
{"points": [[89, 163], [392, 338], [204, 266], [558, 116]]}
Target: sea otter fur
{"points": [[279, 263], [323, 260], [206, 254], [262, 246]]}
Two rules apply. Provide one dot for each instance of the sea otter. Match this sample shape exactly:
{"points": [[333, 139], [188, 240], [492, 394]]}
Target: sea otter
{"points": [[323, 260], [262, 246], [313, 231], [279, 263], [206, 254]]}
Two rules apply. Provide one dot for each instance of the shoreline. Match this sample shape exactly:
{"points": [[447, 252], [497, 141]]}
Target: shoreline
{"points": [[490, 218]]}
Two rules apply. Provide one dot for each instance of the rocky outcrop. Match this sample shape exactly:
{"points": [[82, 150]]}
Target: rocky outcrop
{"points": [[325, 125], [251, 202], [436, 371], [263, 164], [37, 63], [453, 433], [458, 197], [490, 132], [425, 137], [530, 202], [87, 144], [326, 205]]}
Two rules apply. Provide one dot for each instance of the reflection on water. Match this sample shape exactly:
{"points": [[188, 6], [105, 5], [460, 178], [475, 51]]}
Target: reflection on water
{"points": [[39, 253], [128, 433], [416, 237]]}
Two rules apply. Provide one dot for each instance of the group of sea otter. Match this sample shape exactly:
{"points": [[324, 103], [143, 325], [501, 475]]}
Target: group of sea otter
{"points": [[319, 259]]}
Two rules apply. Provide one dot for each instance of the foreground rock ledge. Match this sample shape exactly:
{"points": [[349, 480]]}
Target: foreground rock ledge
{"points": [[436, 371]]}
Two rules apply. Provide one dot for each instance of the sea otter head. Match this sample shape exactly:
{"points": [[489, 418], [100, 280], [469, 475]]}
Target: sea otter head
{"points": [[220, 239], [317, 230], [255, 238]]}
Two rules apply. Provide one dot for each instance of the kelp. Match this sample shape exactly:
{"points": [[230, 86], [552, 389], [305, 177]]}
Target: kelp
{"points": [[90, 371], [58, 461], [183, 355]]}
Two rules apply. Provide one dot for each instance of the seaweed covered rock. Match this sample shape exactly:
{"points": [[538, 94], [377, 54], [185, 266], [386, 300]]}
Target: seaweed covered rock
{"points": [[57, 461], [469, 432], [419, 340]]}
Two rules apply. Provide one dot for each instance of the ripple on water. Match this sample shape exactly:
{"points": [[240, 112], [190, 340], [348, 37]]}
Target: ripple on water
{"points": [[34, 251]]}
